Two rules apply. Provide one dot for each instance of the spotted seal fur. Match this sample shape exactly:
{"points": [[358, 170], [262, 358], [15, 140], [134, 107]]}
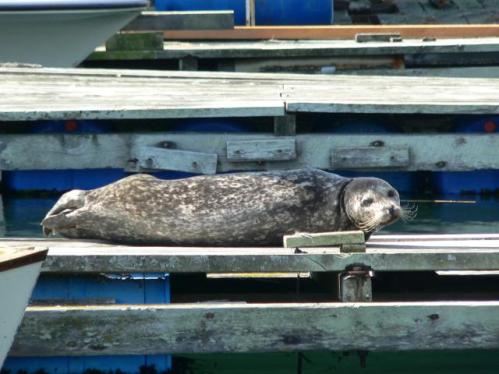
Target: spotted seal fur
{"points": [[240, 209]]}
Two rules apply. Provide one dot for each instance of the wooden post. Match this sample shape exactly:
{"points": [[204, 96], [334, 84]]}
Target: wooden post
{"points": [[250, 13], [3, 228], [355, 285], [285, 125], [188, 63]]}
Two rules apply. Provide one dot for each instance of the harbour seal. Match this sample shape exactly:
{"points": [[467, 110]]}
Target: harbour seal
{"points": [[240, 209]]}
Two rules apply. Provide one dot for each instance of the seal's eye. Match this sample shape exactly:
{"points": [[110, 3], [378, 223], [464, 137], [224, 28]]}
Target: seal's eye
{"points": [[367, 202], [391, 193]]}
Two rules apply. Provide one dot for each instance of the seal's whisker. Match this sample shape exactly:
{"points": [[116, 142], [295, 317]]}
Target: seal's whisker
{"points": [[368, 225], [408, 212]]}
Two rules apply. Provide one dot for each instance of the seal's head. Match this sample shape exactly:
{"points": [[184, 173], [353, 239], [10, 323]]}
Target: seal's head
{"points": [[370, 203]]}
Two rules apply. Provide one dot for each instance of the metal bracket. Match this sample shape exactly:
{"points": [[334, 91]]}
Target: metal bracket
{"points": [[355, 284]]}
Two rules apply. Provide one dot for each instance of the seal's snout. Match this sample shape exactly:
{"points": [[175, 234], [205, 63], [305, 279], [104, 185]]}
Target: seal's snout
{"points": [[59, 216], [394, 212]]}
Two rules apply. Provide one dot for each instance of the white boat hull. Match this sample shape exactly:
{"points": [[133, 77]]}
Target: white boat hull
{"points": [[58, 38], [16, 285]]}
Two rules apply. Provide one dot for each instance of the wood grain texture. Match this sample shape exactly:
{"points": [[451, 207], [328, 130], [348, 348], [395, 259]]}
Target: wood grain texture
{"points": [[383, 253], [452, 152], [323, 239], [370, 157], [336, 32], [156, 158], [304, 48], [207, 328], [33, 94], [15, 258], [261, 150]]}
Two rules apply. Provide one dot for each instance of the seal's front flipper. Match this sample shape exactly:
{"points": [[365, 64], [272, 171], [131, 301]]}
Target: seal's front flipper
{"points": [[60, 216]]}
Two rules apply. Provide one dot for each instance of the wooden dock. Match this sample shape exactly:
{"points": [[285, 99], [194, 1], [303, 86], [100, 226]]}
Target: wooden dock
{"points": [[282, 101], [308, 56], [50, 94], [383, 253], [268, 327], [300, 48]]}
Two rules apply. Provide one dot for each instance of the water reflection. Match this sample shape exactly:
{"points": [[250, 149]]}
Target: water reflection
{"points": [[23, 215], [482, 216]]}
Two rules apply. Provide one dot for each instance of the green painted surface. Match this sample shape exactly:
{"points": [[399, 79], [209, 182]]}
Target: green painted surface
{"points": [[429, 362]]}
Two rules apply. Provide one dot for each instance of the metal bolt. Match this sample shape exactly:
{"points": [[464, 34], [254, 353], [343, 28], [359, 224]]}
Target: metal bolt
{"points": [[378, 143]]}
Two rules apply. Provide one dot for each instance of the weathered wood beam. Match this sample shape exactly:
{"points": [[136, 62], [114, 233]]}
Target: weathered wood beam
{"points": [[158, 158], [32, 96], [278, 49], [283, 149], [336, 32], [207, 328], [148, 41], [383, 253], [323, 239], [193, 20], [450, 152]]}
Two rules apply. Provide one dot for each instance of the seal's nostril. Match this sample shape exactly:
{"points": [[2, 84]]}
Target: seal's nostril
{"points": [[394, 211]]}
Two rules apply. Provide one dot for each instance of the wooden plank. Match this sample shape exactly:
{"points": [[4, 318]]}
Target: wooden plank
{"points": [[194, 20], [135, 42], [261, 150], [156, 158], [268, 49], [383, 253], [336, 32], [458, 72], [323, 239], [376, 37], [451, 152], [32, 96], [370, 157], [321, 65], [222, 327], [312, 106], [21, 256]]}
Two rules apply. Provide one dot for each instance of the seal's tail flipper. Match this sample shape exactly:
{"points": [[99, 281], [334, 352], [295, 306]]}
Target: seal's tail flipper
{"points": [[60, 215]]}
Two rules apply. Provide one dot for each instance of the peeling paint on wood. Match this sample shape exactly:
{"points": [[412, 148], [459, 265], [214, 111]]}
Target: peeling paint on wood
{"points": [[155, 158], [205, 328], [323, 239], [59, 94], [370, 157], [450, 152], [261, 150], [383, 253]]}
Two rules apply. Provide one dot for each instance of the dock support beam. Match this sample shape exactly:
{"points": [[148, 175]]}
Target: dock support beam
{"points": [[188, 64], [285, 125], [355, 284]]}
